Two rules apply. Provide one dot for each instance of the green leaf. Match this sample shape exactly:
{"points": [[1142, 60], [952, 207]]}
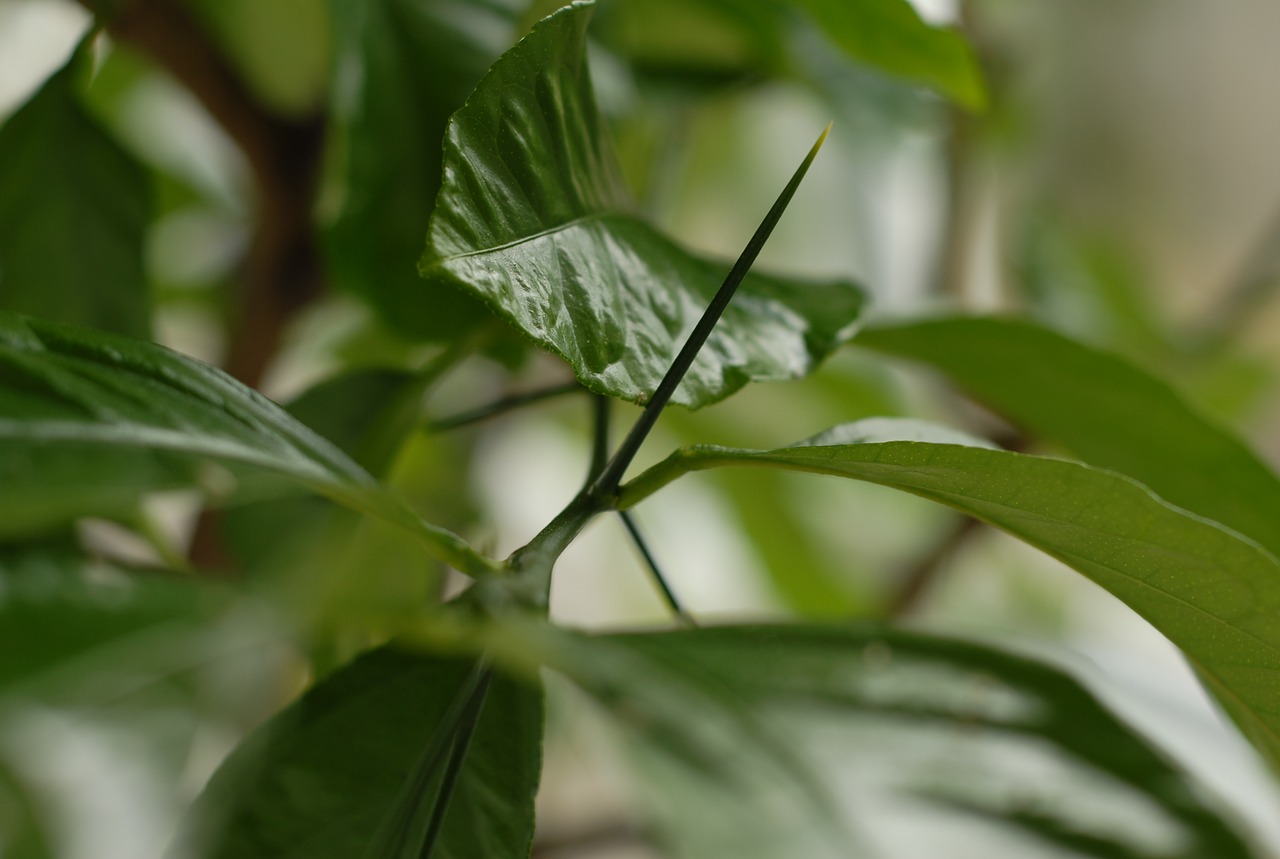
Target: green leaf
{"points": [[1104, 409], [401, 68], [532, 218], [357, 757], [71, 629], [23, 829], [962, 722], [1212, 592], [890, 35], [74, 208], [89, 419]]}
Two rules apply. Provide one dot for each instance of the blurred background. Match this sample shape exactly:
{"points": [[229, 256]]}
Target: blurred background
{"points": [[1122, 187]]}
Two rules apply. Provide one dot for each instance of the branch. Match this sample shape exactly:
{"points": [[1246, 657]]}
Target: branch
{"points": [[282, 271]]}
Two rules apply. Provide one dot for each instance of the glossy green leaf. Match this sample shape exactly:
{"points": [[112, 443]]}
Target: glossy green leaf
{"points": [[1104, 409], [89, 420], [533, 219], [1212, 592], [890, 35], [352, 767], [401, 68], [74, 209], [952, 721]]}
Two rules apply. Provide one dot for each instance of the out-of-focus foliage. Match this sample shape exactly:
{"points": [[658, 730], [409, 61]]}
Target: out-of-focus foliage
{"points": [[323, 628]]}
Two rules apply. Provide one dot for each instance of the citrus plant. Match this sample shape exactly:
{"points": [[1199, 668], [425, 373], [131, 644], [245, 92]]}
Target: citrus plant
{"points": [[414, 723]]}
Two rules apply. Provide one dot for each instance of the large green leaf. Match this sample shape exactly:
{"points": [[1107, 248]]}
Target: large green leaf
{"points": [[354, 768], [401, 68], [1104, 409], [1212, 592], [74, 208], [90, 421], [893, 717], [532, 218]]}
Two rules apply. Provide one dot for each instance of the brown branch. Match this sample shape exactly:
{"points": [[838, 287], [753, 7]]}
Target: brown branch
{"points": [[281, 272]]}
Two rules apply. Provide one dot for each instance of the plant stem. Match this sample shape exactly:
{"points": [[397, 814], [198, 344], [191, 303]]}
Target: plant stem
{"points": [[500, 407], [654, 570], [599, 437], [606, 486]]}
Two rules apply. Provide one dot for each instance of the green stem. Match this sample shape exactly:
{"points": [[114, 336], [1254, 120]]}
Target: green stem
{"points": [[649, 481], [500, 407], [606, 485], [654, 570]]}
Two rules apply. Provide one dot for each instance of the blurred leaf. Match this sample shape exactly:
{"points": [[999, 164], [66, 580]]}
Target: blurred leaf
{"points": [[1212, 592], [281, 48], [929, 707], [533, 218], [890, 35], [351, 767], [90, 417], [22, 831], [76, 629], [1104, 409], [401, 68], [74, 208], [694, 39]]}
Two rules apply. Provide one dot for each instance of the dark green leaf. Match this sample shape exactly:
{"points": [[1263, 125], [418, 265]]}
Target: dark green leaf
{"points": [[1212, 592], [355, 757], [401, 68], [1104, 409], [532, 218], [90, 419], [74, 208], [960, 721]]}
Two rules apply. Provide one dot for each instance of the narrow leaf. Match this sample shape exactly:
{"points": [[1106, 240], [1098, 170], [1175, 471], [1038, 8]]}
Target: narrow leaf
{"points": [[348, 761], [533, 219], [74, 209], [89, 420], [1104, 409], [1212, 592]]}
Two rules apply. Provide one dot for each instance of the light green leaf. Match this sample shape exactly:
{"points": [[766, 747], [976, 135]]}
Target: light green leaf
{"points": [[532, 218], [890, 35], [401, 68], [1103, 408], [90, 420], [1212, 592], [74, 208], [353, 769], [952, 721]]}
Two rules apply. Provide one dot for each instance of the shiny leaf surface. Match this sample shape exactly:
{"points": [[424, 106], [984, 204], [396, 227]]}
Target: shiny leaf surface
{"points": [[1104, 409], [1212, 592], [533, 219]]}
